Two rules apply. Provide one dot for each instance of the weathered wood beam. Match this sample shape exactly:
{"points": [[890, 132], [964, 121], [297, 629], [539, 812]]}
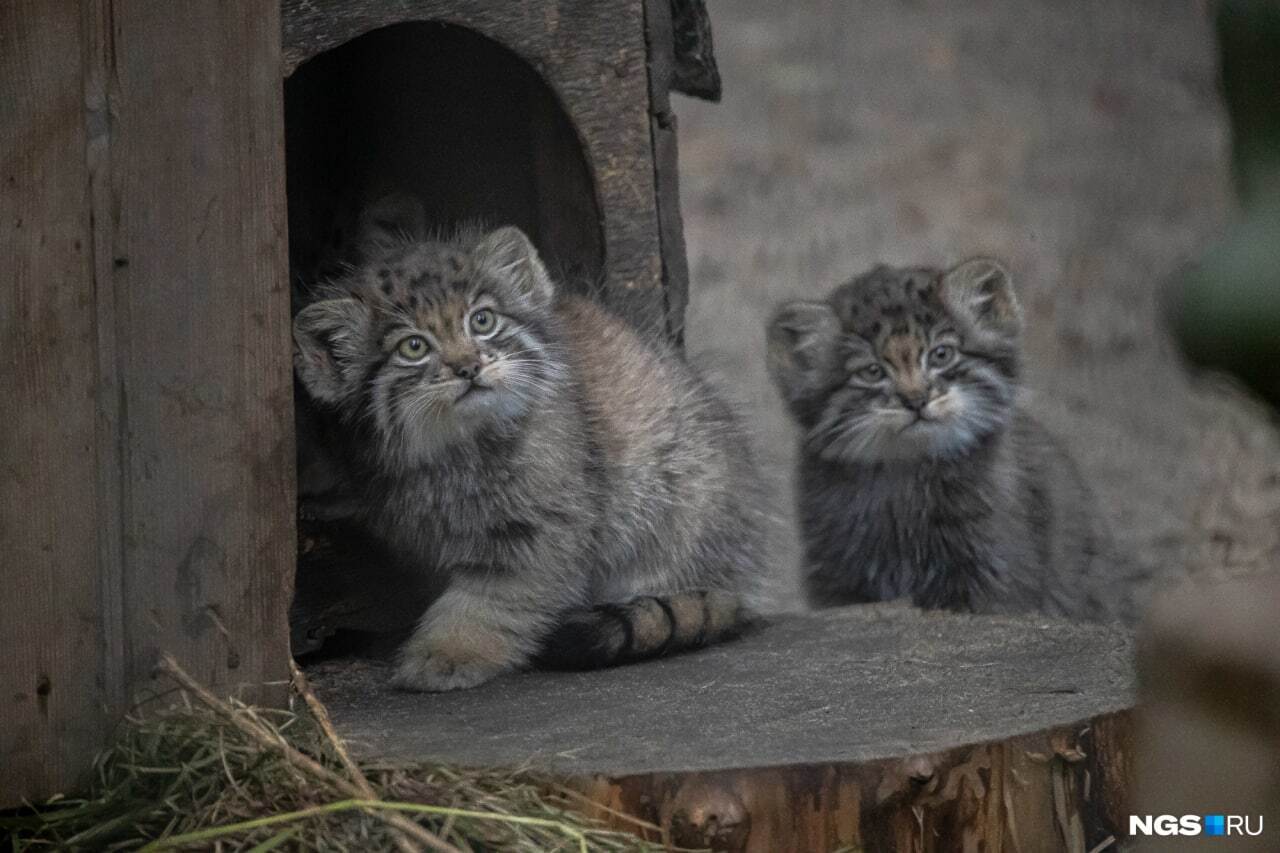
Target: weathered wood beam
{"points": [[146, 501]]}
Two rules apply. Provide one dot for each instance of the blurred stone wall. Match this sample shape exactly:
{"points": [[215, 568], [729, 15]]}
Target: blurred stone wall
{"points": [[1082, 143]]}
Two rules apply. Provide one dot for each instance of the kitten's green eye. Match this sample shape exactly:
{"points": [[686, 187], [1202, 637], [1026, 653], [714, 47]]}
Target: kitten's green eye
{"points": [[413, 348], [483, 321], [942, 355], [871, 373]]}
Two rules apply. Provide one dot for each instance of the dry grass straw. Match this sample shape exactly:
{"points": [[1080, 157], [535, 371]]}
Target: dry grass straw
{"points": [[214, 775]]}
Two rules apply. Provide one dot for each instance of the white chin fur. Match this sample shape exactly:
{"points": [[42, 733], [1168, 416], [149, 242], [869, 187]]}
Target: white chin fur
{"points": [[901, 437], [954, 423], [434, 429]]}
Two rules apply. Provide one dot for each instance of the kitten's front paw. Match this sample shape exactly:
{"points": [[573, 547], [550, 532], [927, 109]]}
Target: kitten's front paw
{"points": [[453, 649], [435, 673]]}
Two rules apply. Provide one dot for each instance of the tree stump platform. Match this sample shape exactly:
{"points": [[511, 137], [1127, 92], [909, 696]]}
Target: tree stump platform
{"points": [[877, 727]]}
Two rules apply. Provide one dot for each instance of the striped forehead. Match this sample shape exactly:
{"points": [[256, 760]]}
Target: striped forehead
{"points": [[902, 350], [440, 312], [890, 305], [879, 321], [420, 287], [421, 272]]}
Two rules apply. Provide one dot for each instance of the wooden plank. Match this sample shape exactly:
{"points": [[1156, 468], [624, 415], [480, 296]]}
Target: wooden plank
{"points": [[98, 51], [49, 514], [593, 56], [147, 496], [696, 72], [201, 301], [878, 726], [666, 166]]}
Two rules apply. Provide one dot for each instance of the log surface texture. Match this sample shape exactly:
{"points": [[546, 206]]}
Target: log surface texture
{"points": [[878, 726]]}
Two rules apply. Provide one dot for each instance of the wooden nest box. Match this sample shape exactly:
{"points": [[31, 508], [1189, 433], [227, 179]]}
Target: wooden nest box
{"points": [[551, 116], [148, 496]]}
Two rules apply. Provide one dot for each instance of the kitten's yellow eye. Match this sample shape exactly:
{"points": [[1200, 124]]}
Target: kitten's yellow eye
{"points": [[414, 348], [871, 373], [483, 321], [942, 355]]}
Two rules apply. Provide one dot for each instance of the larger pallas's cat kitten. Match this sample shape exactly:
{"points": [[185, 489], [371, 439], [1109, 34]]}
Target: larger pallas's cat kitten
{"points": [[580, 493], [921, 475]]}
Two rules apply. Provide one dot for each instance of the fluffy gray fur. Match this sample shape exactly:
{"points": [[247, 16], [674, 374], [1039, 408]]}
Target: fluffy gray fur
{"points": [[920, 474], [580, 494]]}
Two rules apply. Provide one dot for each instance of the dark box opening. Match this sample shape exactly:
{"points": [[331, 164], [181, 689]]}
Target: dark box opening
{"points": [[472, 130]]}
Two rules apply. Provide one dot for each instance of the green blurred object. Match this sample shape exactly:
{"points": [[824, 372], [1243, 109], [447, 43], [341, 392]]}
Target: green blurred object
{"points": [[1228, 307]]}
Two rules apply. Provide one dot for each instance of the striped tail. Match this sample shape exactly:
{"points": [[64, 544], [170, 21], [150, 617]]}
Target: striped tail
{"points": [[643, 628]]}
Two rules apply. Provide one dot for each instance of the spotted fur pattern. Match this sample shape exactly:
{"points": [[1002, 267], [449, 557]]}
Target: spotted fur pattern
{"points": [[581, 495], [921, 474]]}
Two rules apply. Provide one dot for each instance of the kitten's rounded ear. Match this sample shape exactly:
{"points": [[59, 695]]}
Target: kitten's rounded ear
{"points": [[981, 289], [508, 255], [392, 221], [802, 337], [327, 338]]}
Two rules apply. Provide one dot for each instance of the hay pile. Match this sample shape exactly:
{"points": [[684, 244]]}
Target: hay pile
{"points": [[212, 775]]}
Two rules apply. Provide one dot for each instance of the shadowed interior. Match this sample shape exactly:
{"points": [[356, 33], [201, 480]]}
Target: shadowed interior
{"points": [[475, 133], [445, 114]]}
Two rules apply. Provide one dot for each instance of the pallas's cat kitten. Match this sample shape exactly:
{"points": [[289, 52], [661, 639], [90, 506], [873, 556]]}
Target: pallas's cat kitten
{"points": [[920, 473], [583, 498]]}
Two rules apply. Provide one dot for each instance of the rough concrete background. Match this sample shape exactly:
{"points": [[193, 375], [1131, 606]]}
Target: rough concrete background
{"points": [[1083, 143], [950, 680]]}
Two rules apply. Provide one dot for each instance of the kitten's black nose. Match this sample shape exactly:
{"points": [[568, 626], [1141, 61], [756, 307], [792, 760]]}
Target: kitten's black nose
{"points": [[468, 370], [914, 401]]}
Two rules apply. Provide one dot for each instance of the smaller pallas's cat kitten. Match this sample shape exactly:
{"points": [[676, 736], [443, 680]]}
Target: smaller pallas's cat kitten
{"points": [[921, 476], [582, 496]]}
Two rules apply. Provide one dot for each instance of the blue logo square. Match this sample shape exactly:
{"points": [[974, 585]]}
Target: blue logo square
{"points": [[1215, 824]]}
